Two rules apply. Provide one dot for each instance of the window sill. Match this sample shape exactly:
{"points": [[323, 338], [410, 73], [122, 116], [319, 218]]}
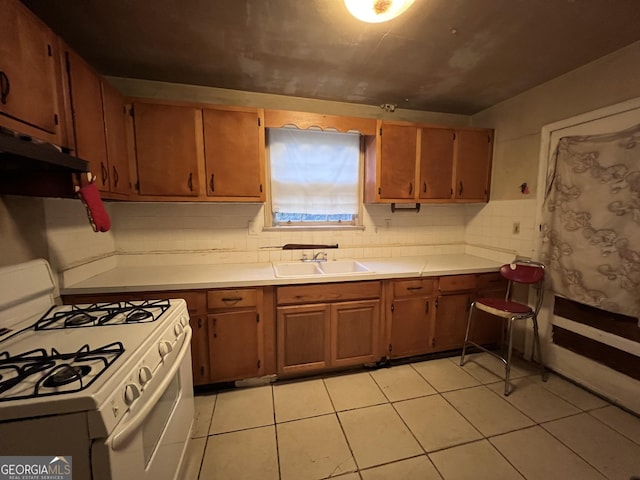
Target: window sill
{"points": [[314, 228]]}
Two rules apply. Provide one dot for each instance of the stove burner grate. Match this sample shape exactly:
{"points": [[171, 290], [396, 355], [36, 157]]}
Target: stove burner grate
{"points": [[102, 313], [37, 369]]}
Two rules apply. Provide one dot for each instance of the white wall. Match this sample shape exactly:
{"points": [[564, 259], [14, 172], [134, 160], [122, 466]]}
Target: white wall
{"points": [[518, 123]]}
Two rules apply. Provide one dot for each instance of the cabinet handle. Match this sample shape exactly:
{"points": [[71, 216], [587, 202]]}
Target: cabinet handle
{"points": [[410, 188], [105, 173], [460, 189], [116, 177], [211, 184], [413, 289], [231, 299], [424, 187], [5, 87], [190, 182], [199, 323], [427, 310]]}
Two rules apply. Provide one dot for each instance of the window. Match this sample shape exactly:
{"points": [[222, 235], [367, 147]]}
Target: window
{"points": [[314, 177]]}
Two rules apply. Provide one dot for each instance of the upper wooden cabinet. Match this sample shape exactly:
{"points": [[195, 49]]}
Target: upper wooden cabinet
{"points": [[30, 88], [409, 163], [436, 163], [85, 92], [473, 152], [169, 150], [397, 179], [116, 136], [98, 115], [234, 154]]}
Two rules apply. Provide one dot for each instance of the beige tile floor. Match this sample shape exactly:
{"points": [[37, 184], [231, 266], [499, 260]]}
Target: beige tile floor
{"points": [[427, 420]]}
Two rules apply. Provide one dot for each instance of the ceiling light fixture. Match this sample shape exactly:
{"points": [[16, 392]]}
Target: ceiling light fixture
{"points": [[376, 11]]}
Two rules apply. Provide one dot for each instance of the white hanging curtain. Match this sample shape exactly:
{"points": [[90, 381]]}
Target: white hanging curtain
{"points": [[591, 226], [313, 171]]}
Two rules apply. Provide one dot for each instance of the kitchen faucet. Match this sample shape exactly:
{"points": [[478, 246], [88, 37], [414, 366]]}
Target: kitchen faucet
{"points": [[318, 257]]}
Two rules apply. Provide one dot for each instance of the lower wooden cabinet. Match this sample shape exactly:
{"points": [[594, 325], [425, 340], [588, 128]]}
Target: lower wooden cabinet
{"points": [[328, 333], [451, 320], [235, 345], [412, 317], [456, 292], [303, 338]]}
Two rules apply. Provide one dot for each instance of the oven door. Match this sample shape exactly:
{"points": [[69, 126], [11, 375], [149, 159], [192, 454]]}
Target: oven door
{"points": [[151, 440]]}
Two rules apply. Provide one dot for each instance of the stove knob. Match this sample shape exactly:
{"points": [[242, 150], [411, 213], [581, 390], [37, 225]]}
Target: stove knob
{"points": [[131, 392], [178, 328], [164, 348], [144, 375]]}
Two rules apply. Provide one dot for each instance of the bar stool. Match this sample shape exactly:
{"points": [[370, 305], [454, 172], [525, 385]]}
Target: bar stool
{"points": [[526, 272]]}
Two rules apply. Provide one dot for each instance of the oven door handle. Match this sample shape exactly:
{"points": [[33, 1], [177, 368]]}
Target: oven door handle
{"points": [[121, 437]]}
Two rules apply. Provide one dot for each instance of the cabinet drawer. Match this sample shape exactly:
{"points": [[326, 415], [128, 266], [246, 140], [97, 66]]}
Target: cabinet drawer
{"points": [[327, 292], [413, 288], [455, 283], [491, 280], [231, 298]]}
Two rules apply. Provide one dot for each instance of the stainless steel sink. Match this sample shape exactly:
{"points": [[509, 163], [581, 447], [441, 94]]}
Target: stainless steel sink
{"points": [[314, 269]]}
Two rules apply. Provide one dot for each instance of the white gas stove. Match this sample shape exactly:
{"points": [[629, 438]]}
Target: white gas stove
{"points": [[117, 374]]}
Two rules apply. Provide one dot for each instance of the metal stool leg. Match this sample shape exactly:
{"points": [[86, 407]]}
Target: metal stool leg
{"points": [[466, 335], [538, 346], [507, 368]]}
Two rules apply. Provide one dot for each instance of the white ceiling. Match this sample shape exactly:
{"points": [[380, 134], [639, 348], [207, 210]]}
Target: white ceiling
{"points": [[456, 56]]}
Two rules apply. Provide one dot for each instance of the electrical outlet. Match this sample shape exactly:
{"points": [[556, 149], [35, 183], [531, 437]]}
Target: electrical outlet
{"points": [[516, 228]]}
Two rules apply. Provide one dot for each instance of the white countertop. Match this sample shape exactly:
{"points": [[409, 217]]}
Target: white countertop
{"points": [[187, 277]]}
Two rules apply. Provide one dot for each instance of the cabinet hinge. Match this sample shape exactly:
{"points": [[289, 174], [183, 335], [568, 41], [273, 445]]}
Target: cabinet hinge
{"points": [[380, 131], [55, 118], [259, 123], [488, 138], [201, 370], [260, 188], [379, 191], [67, 63], [390, 347], [393, 307], [257, 318], [433, 342], [137, 185], [131, 111], [454, 135], [437, 303], [49, 52], [259, 363]]}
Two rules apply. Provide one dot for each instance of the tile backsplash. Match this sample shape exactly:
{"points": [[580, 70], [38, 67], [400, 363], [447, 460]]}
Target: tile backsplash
{"points": [[233, 233]]}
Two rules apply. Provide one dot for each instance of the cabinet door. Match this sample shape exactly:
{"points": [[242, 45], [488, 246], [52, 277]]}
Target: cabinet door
{"points": [[303, 338], [85, 88], [451, 320], [168, 149], [436, 163], [398, 162], [235, 345], [355, 327], [412, 322], [27, 56], [233, 143], [200, 350], [473, 164], [116, 136]]}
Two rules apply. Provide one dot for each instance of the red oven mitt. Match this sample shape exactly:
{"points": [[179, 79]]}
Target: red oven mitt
{"points": [[98, 216]]}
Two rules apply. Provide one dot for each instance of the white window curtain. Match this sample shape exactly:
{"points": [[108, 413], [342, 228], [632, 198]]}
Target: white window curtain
{"points": [[314, 172]]}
